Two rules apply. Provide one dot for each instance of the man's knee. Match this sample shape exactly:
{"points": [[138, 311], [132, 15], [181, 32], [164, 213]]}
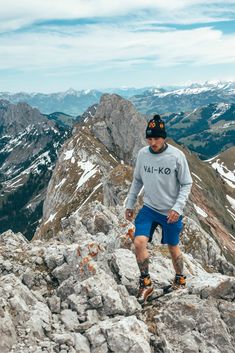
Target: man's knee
{"points": [[174, 250], [140, 242]]}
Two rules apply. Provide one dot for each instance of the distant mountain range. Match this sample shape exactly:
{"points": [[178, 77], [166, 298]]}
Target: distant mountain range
{"points": [[184, 99], [208, 130], [70, 102], [147, 100]]}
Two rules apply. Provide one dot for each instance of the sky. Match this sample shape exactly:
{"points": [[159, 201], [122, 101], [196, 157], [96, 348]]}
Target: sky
{"points": [[53, 45]]}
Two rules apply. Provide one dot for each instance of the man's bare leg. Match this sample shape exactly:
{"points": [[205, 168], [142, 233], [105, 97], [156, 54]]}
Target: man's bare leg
{"points": [[178, 263], [177, 259], [142, 255]]}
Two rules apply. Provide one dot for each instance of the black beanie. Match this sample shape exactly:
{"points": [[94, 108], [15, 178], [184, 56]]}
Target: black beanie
{"points": [[156, 127]]}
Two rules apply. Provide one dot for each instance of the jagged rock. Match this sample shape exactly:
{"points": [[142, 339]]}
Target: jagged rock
{"points": [[62, 272], [29, 278], [54, 257], [98, 305], [130, 303], [101, 349], [62, 338], [97, 286], [90, 319], [116, 185], [69, 319], [227, 314], [66, 288], [81, 343], [124, 265], [193, 325], [77, 303], [8, 332], [127, 335], [96, 302], [54, 304], [111, 125], [225, 290], [40, 320], [95, 336]]}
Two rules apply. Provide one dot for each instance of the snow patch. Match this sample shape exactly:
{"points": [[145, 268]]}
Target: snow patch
{"points": [[231, 213], [68, 154], [50, 219], [60, 184], [113, 157], [225, 173], [97, 187], [220, 110], [200, 211], [231, 201], [197, 176], [89, 170]]}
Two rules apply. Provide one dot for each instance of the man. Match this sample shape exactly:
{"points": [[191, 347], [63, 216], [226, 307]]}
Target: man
{"points": [[164, 173]]}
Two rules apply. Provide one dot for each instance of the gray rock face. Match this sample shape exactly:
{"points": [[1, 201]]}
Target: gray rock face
{"points": [[204, 248], [7, 329], [195, 325], [111, 125], [125, 267], [128, 335]]}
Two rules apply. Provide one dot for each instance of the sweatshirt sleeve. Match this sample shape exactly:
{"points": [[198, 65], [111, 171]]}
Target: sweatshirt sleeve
{"points": [[136, 186], [185, 180]]}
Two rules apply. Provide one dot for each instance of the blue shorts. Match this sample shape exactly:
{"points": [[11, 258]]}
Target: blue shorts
{"points": [[147, 220]]}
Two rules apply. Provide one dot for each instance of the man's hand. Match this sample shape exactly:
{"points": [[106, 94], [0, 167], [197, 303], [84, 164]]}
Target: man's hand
{"points": [[129, 214], [172, 216]]}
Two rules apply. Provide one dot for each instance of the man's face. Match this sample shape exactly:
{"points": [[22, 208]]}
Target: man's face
{"points": [[156, 143]]}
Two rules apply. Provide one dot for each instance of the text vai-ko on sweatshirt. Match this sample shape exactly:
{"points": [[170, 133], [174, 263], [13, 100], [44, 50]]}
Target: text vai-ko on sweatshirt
{"points": [[165, 177]]}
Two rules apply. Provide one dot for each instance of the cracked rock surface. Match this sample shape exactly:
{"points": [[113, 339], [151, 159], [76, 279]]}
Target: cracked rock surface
{"points": [[76, 293]]}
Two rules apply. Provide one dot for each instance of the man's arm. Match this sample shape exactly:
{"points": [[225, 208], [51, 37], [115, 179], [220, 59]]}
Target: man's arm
{"points": [[185, 180], [135, 188]]}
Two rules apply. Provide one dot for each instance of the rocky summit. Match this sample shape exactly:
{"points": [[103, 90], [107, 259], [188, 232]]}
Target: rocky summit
{"points": [[73, 287], [76, 292]]}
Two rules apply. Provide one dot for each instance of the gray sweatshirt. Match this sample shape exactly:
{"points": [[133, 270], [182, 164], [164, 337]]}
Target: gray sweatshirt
{"points": [[165, 177]]}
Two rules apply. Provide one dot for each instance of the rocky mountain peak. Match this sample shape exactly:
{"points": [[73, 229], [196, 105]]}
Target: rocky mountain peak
{"points": [[119, 126], [28, 149], [14, 118]]}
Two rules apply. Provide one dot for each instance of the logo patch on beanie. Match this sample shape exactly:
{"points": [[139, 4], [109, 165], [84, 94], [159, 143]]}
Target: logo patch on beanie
{"points": [[152, 124], [161, 125]]}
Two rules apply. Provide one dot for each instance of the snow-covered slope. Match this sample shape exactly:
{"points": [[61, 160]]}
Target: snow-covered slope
{"points": [[184, 99], [29, 143], [224, 165]]}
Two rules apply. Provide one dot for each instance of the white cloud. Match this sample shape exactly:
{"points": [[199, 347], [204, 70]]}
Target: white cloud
{"points": [[95, 47], [15, 14], [139, 39]]}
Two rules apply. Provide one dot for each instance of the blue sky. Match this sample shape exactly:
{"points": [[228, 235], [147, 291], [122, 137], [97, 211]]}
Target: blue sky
{"points": [[52, 45]]}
